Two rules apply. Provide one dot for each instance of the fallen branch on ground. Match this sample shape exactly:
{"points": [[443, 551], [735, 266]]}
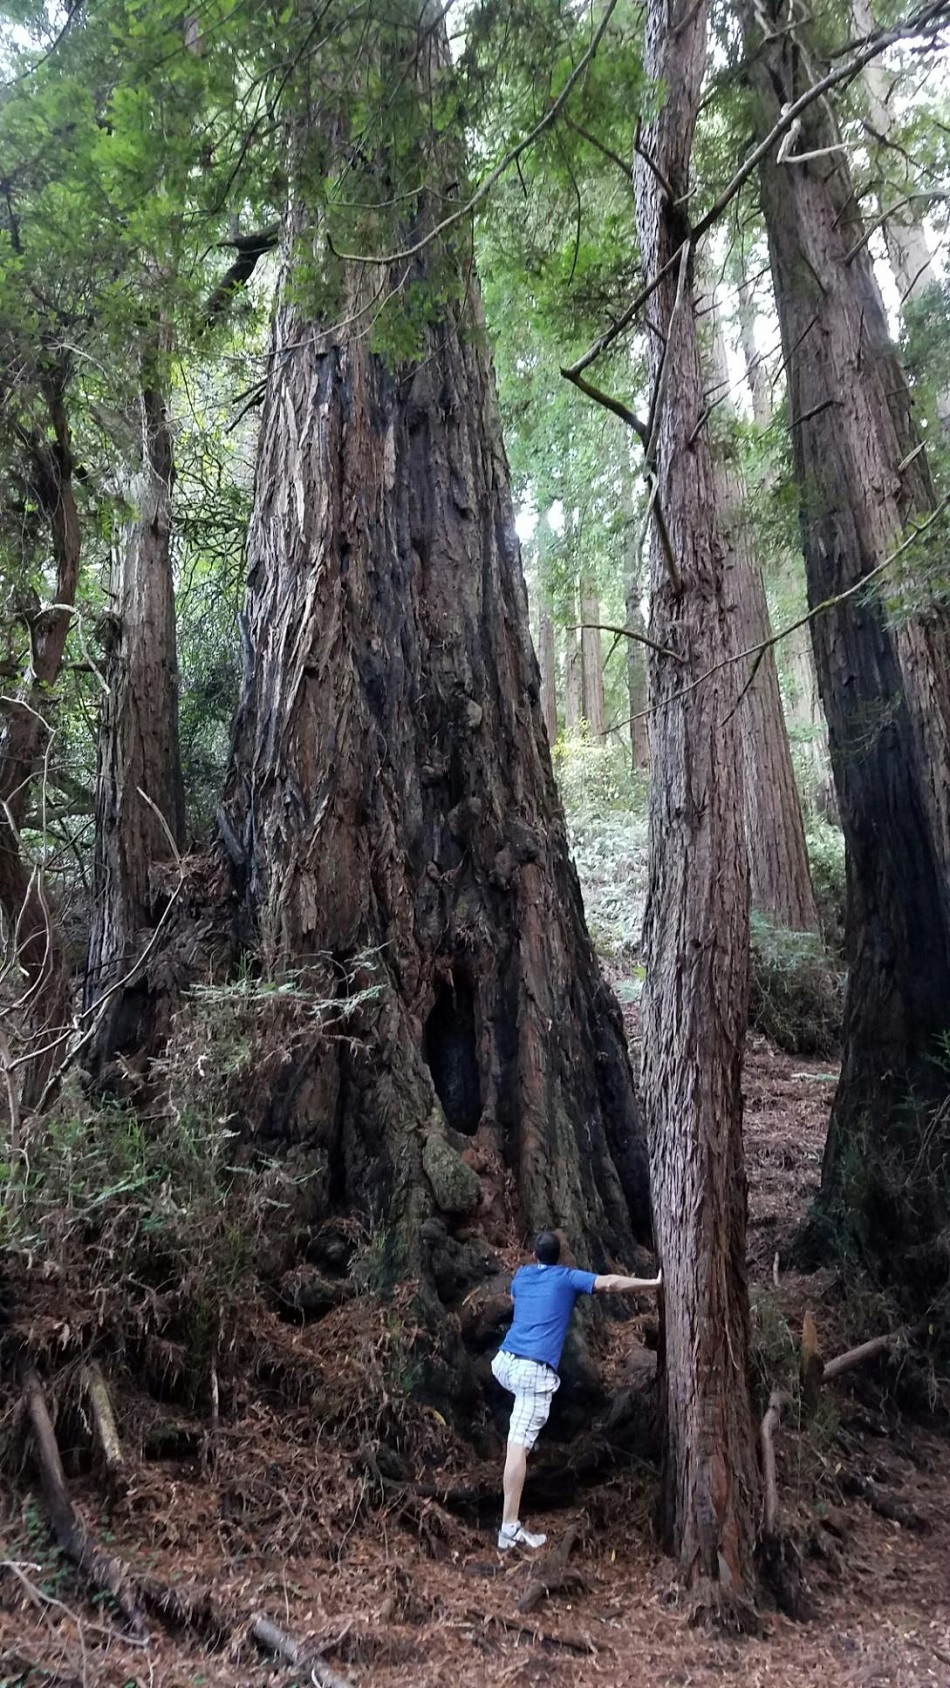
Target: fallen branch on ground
{"points": [[534, 1632], [106, 1575], [103, 1421], [297, 1653], [856, 1356]]}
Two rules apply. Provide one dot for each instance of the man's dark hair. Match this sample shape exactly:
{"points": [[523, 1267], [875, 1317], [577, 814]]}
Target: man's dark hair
{"points": [[547, 1248]]}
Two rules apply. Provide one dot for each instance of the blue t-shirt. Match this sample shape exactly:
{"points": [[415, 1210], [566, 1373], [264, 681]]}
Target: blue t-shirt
{"points": [[544, 1298]]}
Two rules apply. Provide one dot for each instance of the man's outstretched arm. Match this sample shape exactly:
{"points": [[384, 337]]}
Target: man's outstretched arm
{"points": [[611, 1282]]}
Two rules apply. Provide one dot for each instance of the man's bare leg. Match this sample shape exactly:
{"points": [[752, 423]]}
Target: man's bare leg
{"points": [[516, 1465]]}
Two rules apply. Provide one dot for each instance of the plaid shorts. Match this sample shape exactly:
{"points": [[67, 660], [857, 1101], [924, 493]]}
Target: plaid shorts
{"points": [[532, 1384]]}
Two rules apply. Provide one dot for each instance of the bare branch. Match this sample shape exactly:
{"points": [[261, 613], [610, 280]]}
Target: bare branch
{"points": [[623, 633]]}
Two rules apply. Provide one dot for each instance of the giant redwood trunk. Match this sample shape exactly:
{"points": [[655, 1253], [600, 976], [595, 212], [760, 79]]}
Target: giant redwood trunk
{"points": [[697, 914], [42, 1014], [885, 682], [391, 798], [139, 795]]}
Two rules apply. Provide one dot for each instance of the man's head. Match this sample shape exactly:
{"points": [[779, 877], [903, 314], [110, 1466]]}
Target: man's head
{"points": [[547, 1248]]}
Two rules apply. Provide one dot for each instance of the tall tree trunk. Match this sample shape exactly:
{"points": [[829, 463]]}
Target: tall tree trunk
{"points": [[547, 647], [780, 880], [34, 937], [138, 746], [637, 687], [755, 373], [547, 659], [592, 661], [804, 711], [573, 689], [391, 792], [697, 914], [885, 687], [634, 591]]}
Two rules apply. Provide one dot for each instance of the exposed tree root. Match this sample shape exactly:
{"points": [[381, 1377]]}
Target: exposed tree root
{"points": [[553, 1573], [713, 1606]]}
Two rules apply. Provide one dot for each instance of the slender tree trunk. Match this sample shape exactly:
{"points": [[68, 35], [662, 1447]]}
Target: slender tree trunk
{"points": [[634, 590], [547, 658], [862, 476], [755, 373], [697, 915], [138, 747], [804, 714], [592, 662], [637, 689], [34, 937], [775, 834], [391, 795], [573, 690]]}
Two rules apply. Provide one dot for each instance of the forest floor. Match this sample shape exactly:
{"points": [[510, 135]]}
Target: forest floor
{"points": [[284, 1511]]}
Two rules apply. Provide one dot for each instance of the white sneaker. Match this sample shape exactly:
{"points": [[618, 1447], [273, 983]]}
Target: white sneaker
{"points": [[515, 1535]]}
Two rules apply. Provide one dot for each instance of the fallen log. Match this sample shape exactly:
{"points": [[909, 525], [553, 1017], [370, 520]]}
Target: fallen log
{"points": [[103, 1422], [299, 1654], [856, 1356], [106, 1575]]}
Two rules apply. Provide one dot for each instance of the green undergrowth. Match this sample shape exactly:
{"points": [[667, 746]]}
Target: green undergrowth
{"points": [[796, 989], [826, 861], [606, 806]]}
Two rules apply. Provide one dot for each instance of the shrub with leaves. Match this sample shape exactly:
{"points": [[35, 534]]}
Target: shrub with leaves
{"points": [[796, 991], [825, 844]]}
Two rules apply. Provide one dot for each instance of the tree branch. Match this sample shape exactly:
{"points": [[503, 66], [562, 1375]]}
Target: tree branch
{"points": [[623, 633]]}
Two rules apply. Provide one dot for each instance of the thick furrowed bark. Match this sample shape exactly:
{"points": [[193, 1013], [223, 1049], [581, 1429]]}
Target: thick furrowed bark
{"points": [[885, 685], [391, 788], [697, 920]]}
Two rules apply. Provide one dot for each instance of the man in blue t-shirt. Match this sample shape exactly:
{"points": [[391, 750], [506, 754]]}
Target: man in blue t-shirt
{"points": [[527, 1361]]}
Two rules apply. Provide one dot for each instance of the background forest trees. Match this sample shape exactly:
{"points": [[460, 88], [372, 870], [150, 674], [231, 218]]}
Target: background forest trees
{"points": [[276, 746]]}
